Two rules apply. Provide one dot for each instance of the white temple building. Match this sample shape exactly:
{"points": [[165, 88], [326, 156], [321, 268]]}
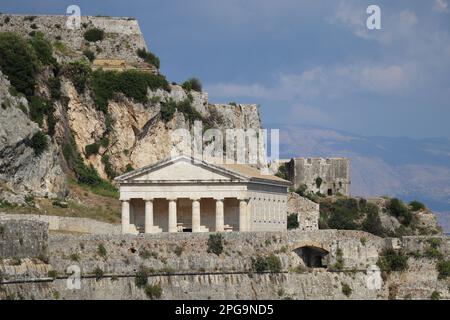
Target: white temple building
{"points": [[187, 195]]}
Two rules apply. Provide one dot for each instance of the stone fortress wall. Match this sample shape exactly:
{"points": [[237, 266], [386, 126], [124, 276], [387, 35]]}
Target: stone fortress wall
{"points": [[329, 176], [182, 266], [67, 224], [122, 35], [308, 212], [23, 238]]}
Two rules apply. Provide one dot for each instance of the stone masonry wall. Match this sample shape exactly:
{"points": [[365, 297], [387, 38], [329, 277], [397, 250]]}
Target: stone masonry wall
{"points": [[307, 211], [184, 269], [334, 173], [24, 238], [122, 35], [69, 224]]}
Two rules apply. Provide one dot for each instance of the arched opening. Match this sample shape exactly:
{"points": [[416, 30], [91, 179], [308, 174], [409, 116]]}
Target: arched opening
{"points": [[330, 192], [313, 257]]}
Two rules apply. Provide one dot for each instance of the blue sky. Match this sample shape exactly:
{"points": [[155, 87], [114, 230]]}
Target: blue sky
{"points": [[304, 62]]}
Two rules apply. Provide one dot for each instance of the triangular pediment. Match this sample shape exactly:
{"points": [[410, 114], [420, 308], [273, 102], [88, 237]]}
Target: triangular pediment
{"points": [[181, 169]]}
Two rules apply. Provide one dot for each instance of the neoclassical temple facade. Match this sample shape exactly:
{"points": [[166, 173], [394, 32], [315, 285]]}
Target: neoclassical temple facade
{"points": [[188, 195]]}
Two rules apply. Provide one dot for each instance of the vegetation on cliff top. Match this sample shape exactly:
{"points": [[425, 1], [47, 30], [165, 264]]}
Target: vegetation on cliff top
{"points": [[359, 214], [148, 57], [18, 61]]}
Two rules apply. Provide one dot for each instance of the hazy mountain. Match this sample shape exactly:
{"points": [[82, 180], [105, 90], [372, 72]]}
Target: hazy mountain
{"points": [[403, 167]]}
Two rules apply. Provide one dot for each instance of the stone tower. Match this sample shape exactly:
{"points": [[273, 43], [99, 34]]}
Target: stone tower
{"points": [[329, 176]]}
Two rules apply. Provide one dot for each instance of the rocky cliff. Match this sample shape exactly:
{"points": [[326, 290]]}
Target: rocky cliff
{"points": [[98, 123], [24, 171]]}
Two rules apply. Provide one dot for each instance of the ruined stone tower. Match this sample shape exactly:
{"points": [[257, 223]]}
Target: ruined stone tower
{"points": [[329, 176]]}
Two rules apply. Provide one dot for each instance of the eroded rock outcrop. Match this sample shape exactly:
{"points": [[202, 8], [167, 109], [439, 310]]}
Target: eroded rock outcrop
{"points": [[20, 168]]}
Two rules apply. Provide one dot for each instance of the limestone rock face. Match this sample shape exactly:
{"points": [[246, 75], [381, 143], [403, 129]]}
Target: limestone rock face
{"points": [[20, 168], [129, 135], [138, 136]]}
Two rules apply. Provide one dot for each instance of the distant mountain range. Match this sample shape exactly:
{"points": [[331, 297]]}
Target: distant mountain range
{"points": [[411, 169]]}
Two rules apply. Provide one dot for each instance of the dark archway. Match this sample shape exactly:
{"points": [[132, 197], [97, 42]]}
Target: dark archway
{"points": [[313, 257]]}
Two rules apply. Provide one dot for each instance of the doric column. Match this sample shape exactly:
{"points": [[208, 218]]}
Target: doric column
{"points": [[125, 216], [242, 214], [195, 215], [220, 215], [173, 215], [148, 215]]}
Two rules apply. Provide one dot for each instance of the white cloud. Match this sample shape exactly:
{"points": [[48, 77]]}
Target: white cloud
{"points": [[328, 82], [441, 5]]}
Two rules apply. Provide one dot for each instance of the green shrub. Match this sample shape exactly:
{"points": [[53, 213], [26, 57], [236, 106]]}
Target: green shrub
{"points": [[94, 35], [86, 175], [346, 290], [79, 72], [29, 199], [110, 172], [192, 84], [89, 55], [435, 295], [18, 62], [318, 182], [215, 244], [270, 263], [433, 253], [98, 273], [43, 49], [372, 222], [91, 149], [55, 88], [178, 250], [390, 260], [282, 172], [101, 250], [75, 257], [292, 221], [398, 209], [153, 291], [39, 108], [52, 274], [39, 143], [443, 267], [129, 168], [417, 206], [339, 264], [141, 278], [167, 110], [273, 263], [259, 264], [132, 83], [185, 107], [148, 57]]}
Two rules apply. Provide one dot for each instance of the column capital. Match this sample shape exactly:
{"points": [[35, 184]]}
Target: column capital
{"points": [[219, 199], [172, 199], [244, 199], [195, 198], [125, 199], [148, 199]]}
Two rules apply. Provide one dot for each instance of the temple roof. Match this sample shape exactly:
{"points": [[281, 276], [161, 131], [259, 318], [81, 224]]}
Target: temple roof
{"points": [[199, 170]]}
